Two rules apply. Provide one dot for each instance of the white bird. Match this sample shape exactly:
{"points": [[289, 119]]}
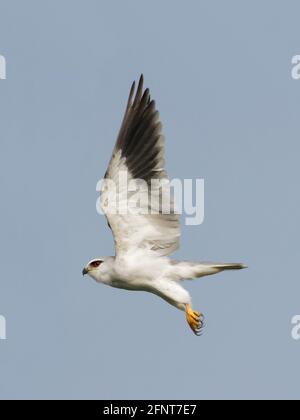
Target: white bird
{"points": [[145, 238]]}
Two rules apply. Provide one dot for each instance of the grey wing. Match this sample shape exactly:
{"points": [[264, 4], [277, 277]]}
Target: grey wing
{"points": [[138, 159]]}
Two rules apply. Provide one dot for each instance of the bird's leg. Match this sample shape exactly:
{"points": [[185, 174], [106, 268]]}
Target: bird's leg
{"points": [[194, 319]]}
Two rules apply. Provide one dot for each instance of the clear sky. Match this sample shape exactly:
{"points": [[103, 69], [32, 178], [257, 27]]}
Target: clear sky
{"points": [[221, 75]]}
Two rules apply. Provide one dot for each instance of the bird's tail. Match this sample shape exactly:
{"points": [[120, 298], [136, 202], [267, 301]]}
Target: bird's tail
{"points": [[228, 266], [190, 270]]}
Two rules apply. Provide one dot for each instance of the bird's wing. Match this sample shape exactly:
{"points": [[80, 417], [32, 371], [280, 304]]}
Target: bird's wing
{"points": [[151, 223]]}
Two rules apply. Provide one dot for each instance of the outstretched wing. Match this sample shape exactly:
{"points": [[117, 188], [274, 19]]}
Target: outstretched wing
{"points": [[136, 196]]}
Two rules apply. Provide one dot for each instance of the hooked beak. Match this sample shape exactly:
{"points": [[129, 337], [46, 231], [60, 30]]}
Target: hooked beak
{"points": [[84, 271]]}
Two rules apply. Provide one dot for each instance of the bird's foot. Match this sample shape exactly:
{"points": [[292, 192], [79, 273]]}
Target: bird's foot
{"points": [[195, 320]]}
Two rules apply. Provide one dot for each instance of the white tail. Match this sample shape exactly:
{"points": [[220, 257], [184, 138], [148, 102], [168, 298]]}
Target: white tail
{"points": [[190, 270]]}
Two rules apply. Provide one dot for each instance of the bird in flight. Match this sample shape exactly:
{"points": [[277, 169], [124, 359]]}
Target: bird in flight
{"points": [[145, 238]]}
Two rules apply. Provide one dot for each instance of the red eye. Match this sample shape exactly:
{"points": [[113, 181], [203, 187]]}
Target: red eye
{"points": [[95, 264]]}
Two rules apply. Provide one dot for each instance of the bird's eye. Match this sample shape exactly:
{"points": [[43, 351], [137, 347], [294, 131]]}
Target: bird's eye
{"points": [[95, 264]]}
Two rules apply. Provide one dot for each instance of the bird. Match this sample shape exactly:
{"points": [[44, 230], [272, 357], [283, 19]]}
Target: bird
{"points": [[146, 237]]}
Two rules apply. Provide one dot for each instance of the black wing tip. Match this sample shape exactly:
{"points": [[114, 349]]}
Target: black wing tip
{"points": [[132, 86], [140, 82], [139, 94], [139, 91], [136, 94], [146, 92]]}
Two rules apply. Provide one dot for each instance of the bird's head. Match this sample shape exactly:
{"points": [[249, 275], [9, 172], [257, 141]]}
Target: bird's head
{"points": [[93, 268]]}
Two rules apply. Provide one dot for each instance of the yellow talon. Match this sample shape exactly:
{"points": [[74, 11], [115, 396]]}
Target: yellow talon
{"points": [[194, 319]]}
